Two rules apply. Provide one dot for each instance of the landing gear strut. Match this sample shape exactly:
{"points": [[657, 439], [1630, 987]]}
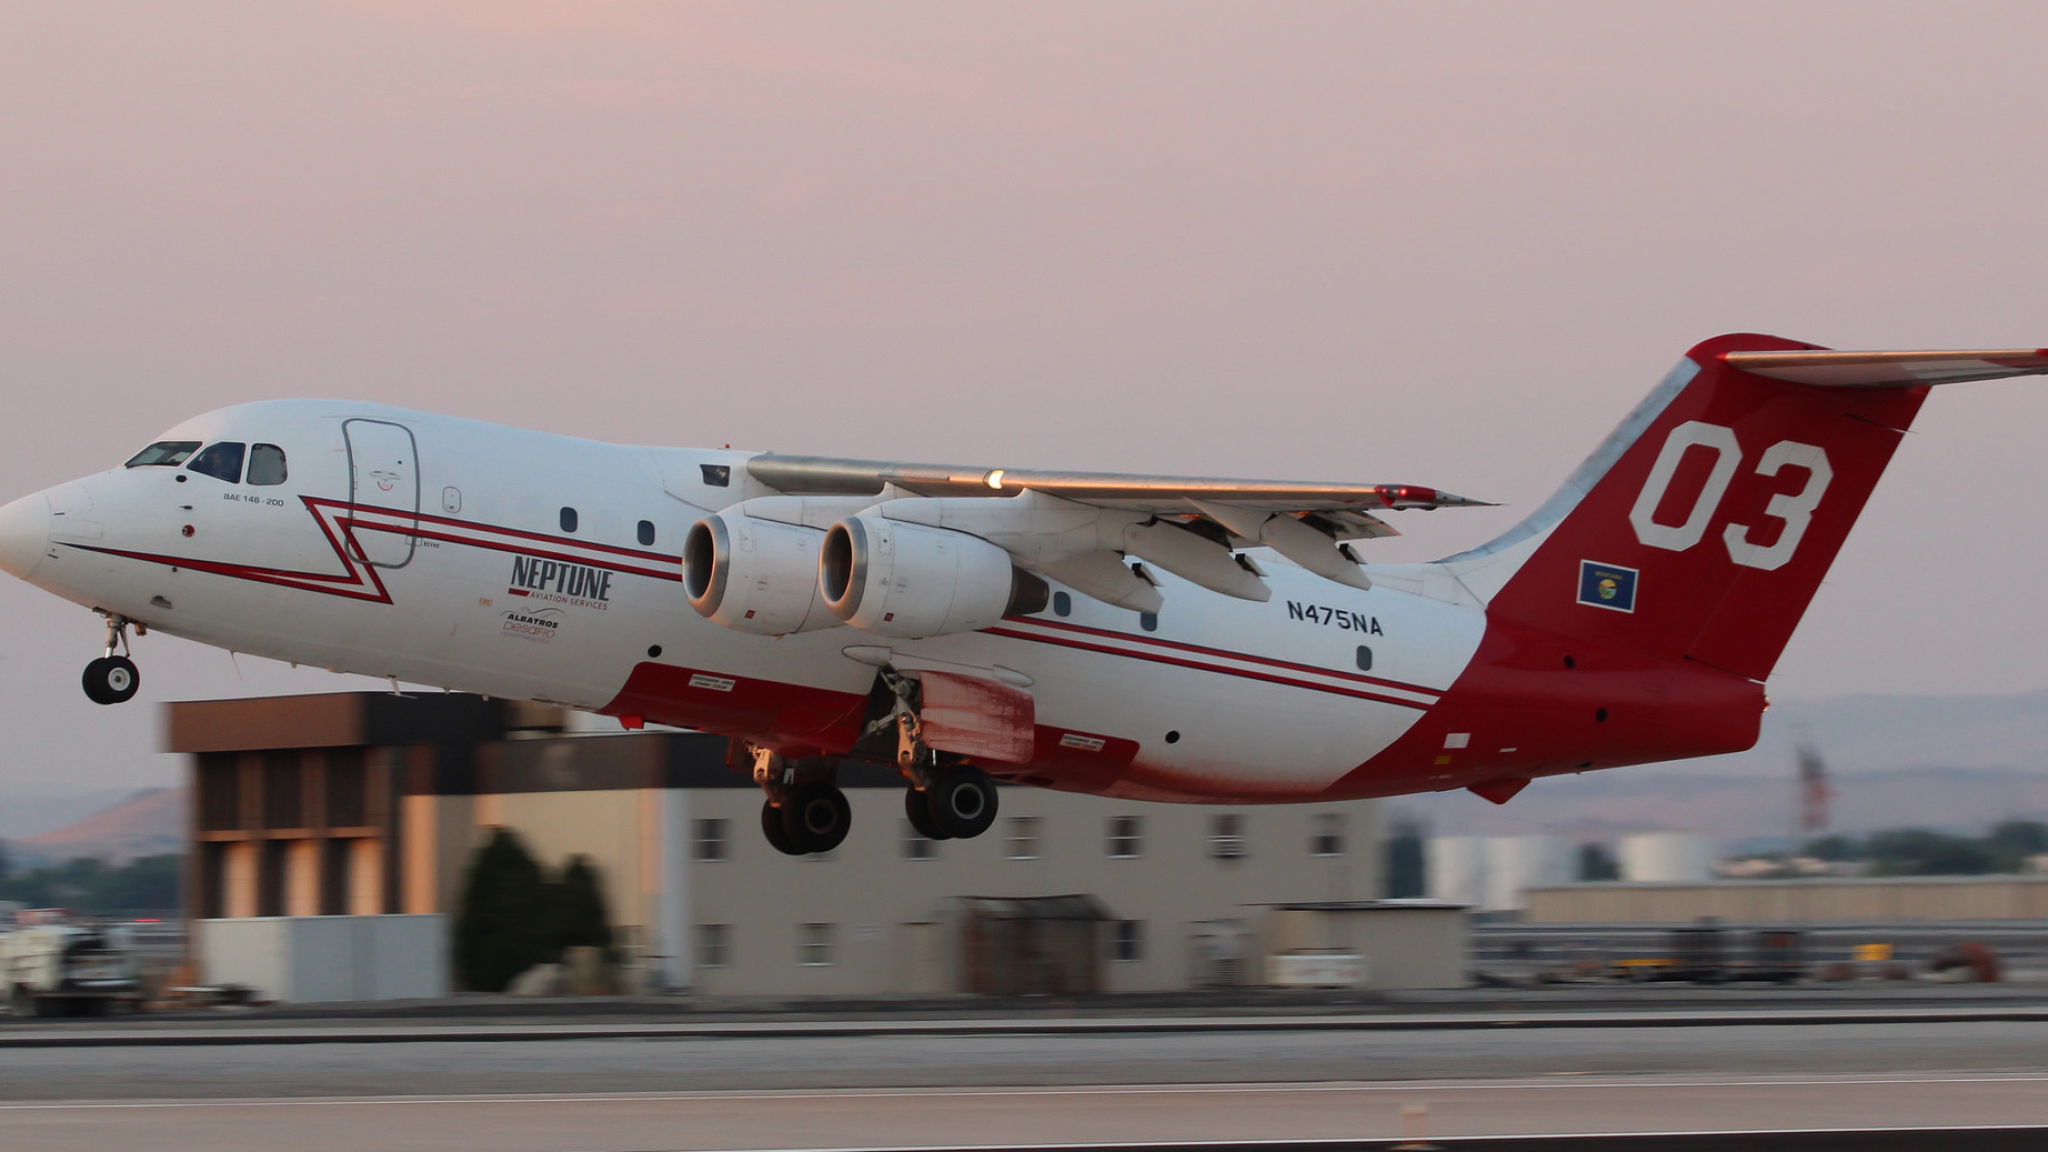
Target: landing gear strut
{"points": [[943, 802], [113, 679], [804, 811]]}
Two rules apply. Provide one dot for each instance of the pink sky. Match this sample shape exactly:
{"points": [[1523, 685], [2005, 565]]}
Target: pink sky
{"points": [[1436, 243]]}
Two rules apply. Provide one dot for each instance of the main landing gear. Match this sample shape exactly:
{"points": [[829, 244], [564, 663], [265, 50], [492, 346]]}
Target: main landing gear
{"points": [[943, 802], [113, 679], [804, 812]]}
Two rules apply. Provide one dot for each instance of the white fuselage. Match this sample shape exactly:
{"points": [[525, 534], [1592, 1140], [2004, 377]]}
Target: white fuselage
{"points": [[490, 590]]}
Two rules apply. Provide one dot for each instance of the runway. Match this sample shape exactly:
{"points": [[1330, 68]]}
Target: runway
{"points": [[877, 1087], [1159, 1115]]}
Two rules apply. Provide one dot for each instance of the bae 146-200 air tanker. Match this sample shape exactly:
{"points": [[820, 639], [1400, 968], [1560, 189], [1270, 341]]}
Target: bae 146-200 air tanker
{"points": [[1150, 637]]}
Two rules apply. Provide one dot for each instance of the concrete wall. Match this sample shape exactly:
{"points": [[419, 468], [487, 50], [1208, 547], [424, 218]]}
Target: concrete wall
{"points": [[1795, 901], [894, 921], [303, 959], [1404, 945]]}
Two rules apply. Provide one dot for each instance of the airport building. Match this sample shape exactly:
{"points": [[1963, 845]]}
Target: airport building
{"points": [[1827, 900], [366, 808]]}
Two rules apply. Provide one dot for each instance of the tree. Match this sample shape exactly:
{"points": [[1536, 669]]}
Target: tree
{"points": [[1836, 848], [86, 884], [581, 919], [1597, 862], [503, 924], [2015, 840]]}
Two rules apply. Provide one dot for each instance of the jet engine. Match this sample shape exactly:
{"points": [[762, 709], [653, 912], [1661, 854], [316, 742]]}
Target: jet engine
{"points": [[754, 575], [910, 580]]}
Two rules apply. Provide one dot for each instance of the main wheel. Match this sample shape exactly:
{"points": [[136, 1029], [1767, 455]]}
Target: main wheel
{"points": [[963, 802], [919, 809], [771, 827], [111, 680], [816, 817]]}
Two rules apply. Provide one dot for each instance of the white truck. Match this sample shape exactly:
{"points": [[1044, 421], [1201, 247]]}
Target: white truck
{"points": [[53, 967]]}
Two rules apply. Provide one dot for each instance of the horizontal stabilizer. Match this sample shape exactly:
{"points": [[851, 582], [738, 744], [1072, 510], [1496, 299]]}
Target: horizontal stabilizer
{"points": [[1889, 369]]}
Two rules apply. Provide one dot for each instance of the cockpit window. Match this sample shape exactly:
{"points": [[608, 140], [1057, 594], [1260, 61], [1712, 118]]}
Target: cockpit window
{"points": [[222, 461], [266, 464], [164, 454]]}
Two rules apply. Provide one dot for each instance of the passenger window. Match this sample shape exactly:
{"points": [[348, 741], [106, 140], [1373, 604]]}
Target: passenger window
{"points": [[1149, 621], [222, 461], [1364, 658], [647, 533], [568, 519], [266, 464], [164, 454], [1062, 604]]}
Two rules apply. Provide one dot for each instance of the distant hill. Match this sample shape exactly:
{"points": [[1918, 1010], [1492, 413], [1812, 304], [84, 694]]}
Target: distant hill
{"points": [[149, 822], [1606, 805], [1951, 762]]}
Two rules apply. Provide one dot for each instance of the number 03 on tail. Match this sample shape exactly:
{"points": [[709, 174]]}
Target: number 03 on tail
{"points": [[1177, 638]]}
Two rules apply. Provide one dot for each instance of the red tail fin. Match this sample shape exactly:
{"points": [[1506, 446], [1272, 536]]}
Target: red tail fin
{"points": [[1705, 524]]}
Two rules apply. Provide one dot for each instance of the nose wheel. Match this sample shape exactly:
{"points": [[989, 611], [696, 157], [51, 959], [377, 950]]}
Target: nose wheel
{"points": [[113, 679]]}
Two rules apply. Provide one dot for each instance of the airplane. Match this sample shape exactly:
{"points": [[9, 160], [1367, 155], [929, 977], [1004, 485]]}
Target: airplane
{"points": [[1164, 638]]}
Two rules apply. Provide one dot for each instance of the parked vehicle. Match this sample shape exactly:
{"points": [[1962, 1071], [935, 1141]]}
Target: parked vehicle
{"points": [[55, 967]]}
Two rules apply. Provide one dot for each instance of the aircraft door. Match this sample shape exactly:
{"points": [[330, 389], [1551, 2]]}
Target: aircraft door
{"points": [[384, 474]]}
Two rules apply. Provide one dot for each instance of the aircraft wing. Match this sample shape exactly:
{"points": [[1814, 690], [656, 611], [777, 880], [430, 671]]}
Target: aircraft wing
{"points": [[824, 475], [1889, 369], [1189, 525]]}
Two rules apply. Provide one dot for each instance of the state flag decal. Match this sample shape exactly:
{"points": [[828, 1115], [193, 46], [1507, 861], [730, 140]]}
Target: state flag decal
{"points": [[1607, 586]]}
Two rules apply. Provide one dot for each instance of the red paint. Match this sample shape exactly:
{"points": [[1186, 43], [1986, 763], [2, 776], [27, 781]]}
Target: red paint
{"points": [[1156, 657], [1681, 675], [1499, 791], [977, 717], [1200, 650], [781, 716]]}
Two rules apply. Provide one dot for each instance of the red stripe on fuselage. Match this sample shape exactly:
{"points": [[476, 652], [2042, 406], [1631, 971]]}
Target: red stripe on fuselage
{"points": [[1335, 674], [1181, 662]]}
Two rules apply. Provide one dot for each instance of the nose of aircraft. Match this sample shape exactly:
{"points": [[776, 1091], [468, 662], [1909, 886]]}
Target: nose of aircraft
{"points": [[24, 534]]}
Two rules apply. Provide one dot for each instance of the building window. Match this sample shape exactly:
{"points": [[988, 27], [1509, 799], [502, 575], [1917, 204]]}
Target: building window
{"points": [[916, 846], [1126, 837], [710, 842], [1126, 940], [814, 945], [1327, 835], [1226, 836], [568, 519], [714, 945], [1022, 842]]}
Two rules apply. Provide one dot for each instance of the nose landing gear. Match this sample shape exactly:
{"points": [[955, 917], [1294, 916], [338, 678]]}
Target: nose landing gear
{"points": [[113, 679]]}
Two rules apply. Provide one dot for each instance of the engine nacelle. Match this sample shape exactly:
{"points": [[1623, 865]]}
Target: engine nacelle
{"points": [[909, 580], [754, 575]]}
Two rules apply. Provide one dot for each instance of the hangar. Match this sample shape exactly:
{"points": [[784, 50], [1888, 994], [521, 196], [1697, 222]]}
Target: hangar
{"points": [[371, 804]]}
